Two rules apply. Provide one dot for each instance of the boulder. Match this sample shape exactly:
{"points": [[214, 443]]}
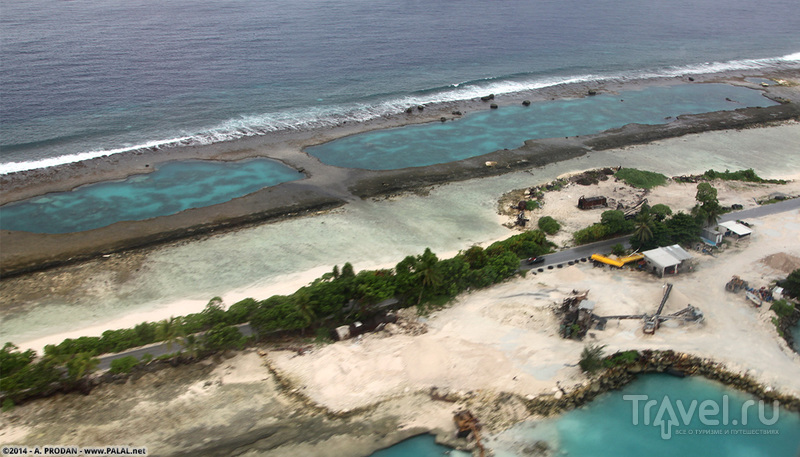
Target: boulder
{"points": [[526, 103], [493, 106], [486, 98]]}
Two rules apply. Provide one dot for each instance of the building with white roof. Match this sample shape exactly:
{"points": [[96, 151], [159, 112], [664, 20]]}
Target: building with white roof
{"points": [[666, 260], [735, 229]]}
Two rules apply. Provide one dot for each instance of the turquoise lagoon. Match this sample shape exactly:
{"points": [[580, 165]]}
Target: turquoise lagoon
{"points": [[172, 188], [508, 127], [605, 427]]}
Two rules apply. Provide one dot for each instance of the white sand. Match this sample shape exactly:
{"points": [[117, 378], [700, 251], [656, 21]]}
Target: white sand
{"points": [[505, 338], [278, 258], [562, 205]]}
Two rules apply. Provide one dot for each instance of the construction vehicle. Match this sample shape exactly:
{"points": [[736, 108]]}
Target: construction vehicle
{"points": [[736, 284]]}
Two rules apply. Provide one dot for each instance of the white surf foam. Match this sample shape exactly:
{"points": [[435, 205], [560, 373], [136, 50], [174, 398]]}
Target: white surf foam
{"points": [[332, 115]]}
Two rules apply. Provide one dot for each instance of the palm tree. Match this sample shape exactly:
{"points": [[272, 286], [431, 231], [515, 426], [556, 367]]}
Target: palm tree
{"points": [[427, 271], [643, 230], [170, 331], [191, 345], [80, 365]]}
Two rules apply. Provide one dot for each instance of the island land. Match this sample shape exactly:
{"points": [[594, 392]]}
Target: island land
{"points": [[495, 351]]}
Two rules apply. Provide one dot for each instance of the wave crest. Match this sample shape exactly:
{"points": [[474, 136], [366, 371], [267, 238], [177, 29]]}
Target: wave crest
{"points": [[318, 117]]}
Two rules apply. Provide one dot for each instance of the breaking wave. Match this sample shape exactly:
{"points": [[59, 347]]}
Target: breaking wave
{"points": [[318, 117]]}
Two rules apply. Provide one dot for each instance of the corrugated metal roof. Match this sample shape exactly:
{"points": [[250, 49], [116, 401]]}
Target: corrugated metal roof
{"points": [[661, 258], [678, 252], [736, 228], [667, 256]]}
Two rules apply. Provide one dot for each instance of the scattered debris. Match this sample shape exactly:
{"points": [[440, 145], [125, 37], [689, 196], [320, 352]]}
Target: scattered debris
{"points": [[467, 424]]}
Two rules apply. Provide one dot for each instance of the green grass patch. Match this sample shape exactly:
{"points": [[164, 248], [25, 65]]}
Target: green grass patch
{"points": [[640, 178], [742, 175]]}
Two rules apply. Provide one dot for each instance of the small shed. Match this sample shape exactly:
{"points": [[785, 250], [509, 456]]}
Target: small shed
{"points": [[711, 236], [735, 229], [666, 260], [592, 202]]}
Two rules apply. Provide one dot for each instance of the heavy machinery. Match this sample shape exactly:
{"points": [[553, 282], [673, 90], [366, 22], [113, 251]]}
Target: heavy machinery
{"points": [[736, 284]]}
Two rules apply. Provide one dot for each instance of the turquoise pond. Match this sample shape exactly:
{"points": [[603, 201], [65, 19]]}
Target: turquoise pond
{"points": [[605, 428], [172, 188], [508, 127]]}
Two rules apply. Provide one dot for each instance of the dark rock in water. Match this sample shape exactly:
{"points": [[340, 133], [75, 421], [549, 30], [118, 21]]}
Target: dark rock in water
{"points": [[456, 113], [526, 102], [493, 106], [443, 119], [409, 110], [691, 79], [486, 98], [592, 92], [420, 107]]}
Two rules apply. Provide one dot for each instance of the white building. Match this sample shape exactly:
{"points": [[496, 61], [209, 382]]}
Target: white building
{"points": [[666, 260]]}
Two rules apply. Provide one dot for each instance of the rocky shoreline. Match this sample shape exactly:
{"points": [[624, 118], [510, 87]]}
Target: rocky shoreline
{"points": [[22, 252], [375, 426]]}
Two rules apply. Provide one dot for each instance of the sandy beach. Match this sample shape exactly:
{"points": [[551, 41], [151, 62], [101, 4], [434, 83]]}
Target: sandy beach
{"points": [[356, 396], [179, 278], [487, 343]]}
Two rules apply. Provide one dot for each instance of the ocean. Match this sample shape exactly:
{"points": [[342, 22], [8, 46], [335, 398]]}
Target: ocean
{"points": [[82, 79]]}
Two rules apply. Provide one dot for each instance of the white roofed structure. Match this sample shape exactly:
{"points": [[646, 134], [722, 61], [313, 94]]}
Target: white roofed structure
{"points": [[666, 260], [736, 228]]}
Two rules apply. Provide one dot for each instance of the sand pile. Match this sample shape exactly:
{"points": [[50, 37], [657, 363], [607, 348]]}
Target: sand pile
{"points": [[782, 262]]}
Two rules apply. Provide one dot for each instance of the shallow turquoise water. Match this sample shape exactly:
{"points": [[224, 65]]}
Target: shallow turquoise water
{"points": [[422, 446], [508, 127], [172, 188], [605, 428]]}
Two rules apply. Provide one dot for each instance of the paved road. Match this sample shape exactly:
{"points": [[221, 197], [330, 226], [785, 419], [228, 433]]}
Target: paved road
{"points": [[156, 349], [585, 251], [556, 258]]}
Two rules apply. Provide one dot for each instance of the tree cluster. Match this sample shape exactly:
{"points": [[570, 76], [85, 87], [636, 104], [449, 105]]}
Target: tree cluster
{"points": [[337, 298]]}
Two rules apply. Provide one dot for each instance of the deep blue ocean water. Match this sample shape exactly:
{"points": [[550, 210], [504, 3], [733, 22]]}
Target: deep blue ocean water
{"points": [[84, 78]]}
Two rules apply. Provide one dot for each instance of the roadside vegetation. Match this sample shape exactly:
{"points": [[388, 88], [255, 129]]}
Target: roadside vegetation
{"points": [[339, 297], [787, 314]]}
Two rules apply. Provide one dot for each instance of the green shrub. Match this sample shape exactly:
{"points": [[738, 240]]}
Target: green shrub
{"points": [[782, 308], [549, 225], [742, 175], [525, 244], [621, 358], [591, 358], [641, 179], [590, 234], [791, 285], [660, 211], [8, 405], [223, 337], [618, 250], [531, 205], [123, 364]]}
